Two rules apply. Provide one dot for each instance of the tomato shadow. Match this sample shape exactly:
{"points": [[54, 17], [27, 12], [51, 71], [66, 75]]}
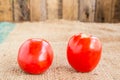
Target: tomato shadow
{"points": [[64, 69], [19, 72]]}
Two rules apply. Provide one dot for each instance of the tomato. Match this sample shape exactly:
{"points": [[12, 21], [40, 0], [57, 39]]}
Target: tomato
{"points": [[84, 52], [35, 56]]}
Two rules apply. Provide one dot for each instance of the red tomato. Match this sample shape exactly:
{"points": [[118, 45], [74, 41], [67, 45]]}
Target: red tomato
{"points": [[35, 56], [84, 52]]}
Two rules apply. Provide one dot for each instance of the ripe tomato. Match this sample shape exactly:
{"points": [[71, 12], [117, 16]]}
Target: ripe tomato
{"points": [[35, 56], [84, 52]]}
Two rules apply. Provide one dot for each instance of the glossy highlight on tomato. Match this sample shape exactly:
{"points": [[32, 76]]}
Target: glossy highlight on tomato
{"points": [[84, 52], [35, 56]]}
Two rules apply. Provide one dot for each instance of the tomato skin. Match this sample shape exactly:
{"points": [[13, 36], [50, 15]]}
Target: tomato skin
{"points": [[35, 56], [83, 53]]}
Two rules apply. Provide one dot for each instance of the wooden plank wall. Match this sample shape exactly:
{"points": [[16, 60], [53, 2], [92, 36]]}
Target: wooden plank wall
{"points": [[6, 10], [103, 10], [41, 10], [52, 9], [87, 10], [35, 13], [21, 10], [115, 11], [70, 9]]}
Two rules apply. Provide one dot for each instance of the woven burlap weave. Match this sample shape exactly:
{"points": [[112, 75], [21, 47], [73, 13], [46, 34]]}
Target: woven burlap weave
{"points": [[58, 34]]}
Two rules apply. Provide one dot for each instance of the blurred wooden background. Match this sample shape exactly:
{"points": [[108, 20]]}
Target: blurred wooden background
{"points": [[40, 10]]}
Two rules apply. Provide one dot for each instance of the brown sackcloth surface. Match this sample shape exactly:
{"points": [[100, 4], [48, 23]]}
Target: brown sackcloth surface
{"points": [[58, 34]]}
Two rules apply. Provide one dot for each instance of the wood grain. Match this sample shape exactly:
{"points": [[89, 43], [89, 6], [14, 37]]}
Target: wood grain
{"points": [[17, 12], [35, 10], [52, 9], [21, 10], [87, 10], [41, 10], [116, 11], [103, 11], [6, 11], [70, 9], [38, 10]]}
